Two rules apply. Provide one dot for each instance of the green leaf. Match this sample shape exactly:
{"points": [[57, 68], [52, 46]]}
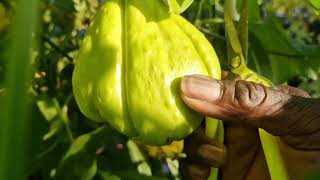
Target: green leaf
{"points": [[104, 175], [15, 126], [55, 127], [35, 141], [272, 50], [48, 109], [178, 6], [80, 161], [315, 4], [144, 168], [311, 87], [173, 166], [254, 11], [137, 157], [135, 153]]}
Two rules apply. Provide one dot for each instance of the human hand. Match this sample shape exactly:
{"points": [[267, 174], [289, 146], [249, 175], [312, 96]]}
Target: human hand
{"points": [[244, 107]]}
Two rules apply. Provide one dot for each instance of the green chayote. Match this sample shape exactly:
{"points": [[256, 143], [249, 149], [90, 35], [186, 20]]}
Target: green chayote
{"points": [[129, 65]]}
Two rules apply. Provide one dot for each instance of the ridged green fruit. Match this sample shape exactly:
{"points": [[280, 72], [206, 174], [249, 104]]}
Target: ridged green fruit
{"points": [[128, 70]]}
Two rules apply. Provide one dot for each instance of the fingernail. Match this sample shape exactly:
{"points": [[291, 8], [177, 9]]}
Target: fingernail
{"points": [[200, 88], [202, 76]]}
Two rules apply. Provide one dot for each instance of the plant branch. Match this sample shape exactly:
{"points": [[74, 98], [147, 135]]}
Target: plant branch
{"points": [[56, 47], [243, 28]]}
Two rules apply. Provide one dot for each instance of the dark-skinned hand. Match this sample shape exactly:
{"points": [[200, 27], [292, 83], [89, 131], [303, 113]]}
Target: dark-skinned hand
{"points": [[244, 107]]}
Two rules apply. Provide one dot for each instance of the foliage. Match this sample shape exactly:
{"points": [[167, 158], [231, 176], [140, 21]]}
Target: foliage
{"points": [[13, 131], [301, 22], [178, 6], [283, 45]]}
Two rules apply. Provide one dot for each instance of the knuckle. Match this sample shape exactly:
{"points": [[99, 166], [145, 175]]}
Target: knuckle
{"points": [[249, 95]]}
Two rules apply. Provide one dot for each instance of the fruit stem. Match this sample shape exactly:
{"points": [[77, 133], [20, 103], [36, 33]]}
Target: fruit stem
{"points": [[238, 66]]}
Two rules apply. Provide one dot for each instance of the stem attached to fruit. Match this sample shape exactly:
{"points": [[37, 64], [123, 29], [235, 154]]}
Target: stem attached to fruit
{"points": [[238, 66]]}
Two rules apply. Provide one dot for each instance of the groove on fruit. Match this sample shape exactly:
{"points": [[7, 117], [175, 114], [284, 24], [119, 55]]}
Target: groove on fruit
{"points": [[124, 93]]}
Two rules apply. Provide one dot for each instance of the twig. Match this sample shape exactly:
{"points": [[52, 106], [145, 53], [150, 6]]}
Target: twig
{"points": [[56, 47]]}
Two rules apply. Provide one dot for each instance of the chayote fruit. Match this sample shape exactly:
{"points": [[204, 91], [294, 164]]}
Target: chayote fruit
{"points": [[129, 65]]}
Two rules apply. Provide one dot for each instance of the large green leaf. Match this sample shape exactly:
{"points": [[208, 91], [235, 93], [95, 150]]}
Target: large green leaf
{"points": [[102, 150], [315, 4], [15, 126], [80, 161], [253, 11], [277, 56]]}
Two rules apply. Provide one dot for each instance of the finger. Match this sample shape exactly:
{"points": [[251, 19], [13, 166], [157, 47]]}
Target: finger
{"points": [[203, 150], [243, 144], [250, 103], [193, 171], [200, 137], [293, 91], [213, 156]]}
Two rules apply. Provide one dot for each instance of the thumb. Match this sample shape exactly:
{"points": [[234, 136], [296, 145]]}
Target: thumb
{"points": [[253, 104]]}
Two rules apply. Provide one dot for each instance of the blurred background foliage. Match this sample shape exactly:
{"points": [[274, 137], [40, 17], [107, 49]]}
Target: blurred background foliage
{"points": [[284, 45]]}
